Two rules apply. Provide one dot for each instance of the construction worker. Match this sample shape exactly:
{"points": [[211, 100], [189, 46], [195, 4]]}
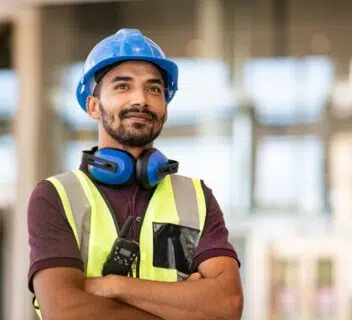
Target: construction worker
{"points": [[124, 236]]}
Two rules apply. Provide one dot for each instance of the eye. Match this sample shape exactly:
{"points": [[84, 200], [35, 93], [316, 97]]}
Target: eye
{"points": [[155, 89], [121, 87]]}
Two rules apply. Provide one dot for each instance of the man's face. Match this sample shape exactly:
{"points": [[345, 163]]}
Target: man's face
{"points": [[132, 104]]}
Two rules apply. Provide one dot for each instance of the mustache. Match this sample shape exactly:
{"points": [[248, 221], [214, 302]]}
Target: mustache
{"points": [[126, 111]]}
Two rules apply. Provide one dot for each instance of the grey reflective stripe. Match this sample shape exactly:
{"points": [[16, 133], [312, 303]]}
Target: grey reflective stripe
{"points": [[85, 238], [81, 210], [186, 201]]}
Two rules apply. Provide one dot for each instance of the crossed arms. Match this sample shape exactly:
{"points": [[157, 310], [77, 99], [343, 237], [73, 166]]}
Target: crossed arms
{"points": [[214, 292]]}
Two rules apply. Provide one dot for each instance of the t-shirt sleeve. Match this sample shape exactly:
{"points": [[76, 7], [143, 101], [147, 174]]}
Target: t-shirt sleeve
{"points": [[214, 241], [51, 240]]}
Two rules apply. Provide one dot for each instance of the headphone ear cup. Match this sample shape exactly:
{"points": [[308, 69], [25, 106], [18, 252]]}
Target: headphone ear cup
{"points": [[124, 172], [147, 167]]}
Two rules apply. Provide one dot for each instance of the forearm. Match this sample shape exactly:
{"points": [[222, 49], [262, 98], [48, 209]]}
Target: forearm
{"points": [[200, 299], [89, 307], [61, 296]]}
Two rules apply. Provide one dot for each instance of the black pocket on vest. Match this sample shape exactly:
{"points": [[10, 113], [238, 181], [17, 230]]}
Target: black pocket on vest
{"points": [[174, 246]]}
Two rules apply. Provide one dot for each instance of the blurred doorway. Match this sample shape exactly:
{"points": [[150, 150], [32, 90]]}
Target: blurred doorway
{"points": [[303, 282]]}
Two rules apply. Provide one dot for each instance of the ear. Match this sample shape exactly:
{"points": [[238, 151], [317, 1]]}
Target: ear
{"points": [[92, 105]]}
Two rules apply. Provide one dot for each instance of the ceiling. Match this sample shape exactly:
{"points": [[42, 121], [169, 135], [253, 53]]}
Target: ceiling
{"points": [[9, 8], [36, 2]]}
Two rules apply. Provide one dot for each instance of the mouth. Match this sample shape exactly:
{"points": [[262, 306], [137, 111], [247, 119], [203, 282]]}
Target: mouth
{"points": [[139, 116]]}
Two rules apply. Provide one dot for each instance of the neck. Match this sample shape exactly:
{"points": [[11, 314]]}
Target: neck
{"points": [[106, 141]]}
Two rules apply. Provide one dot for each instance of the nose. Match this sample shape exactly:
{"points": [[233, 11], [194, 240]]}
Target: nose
{"points": [[139, 97]]}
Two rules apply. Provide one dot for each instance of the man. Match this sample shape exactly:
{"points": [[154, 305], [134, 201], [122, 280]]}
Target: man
{"points": [[185, 267]]}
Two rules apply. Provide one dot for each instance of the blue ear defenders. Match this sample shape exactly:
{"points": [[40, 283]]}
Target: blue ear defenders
{"points": [[115, 167]]}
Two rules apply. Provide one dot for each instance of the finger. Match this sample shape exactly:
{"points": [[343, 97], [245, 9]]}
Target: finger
{"points": [[195, 276]]}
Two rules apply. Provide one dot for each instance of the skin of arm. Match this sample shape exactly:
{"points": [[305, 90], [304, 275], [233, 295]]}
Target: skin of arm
{"points": [[215, 292], [61, 296]]}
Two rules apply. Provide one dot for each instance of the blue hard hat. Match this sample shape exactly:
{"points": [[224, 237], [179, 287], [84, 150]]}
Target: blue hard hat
{"points": [[124, 45]]}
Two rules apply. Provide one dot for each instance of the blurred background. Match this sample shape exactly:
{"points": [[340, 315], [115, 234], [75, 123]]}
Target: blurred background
{"points": [[263, 114]]}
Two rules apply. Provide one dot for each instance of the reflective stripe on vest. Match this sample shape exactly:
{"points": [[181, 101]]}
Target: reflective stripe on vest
{"points": [[177, 200]]}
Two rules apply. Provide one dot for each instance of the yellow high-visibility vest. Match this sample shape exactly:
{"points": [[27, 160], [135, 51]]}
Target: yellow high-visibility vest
{"points": [[177, 200]]}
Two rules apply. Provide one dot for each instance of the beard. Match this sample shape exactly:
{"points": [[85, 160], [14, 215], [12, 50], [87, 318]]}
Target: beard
{"points": [[135, 134]]}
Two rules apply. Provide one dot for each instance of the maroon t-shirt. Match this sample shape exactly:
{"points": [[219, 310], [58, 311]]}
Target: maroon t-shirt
{"points": [[53, 244]]}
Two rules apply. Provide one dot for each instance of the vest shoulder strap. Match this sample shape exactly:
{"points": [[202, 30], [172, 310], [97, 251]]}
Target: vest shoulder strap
{"points": [[77, 209], [76, 206]]}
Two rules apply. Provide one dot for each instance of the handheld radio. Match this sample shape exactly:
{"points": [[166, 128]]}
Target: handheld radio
{"points": [[123, 253]]}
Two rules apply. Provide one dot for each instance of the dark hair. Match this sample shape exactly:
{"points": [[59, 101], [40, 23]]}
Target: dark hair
{"points": [[97, 89]]}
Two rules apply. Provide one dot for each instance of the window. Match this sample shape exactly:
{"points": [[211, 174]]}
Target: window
{"points": [[325, 298], [289, 174], [7, 171], [64, 100], [285, 290], [208, 159], [73, 153], [204, 88], [241, 164], [289, 91], [8, 93]]}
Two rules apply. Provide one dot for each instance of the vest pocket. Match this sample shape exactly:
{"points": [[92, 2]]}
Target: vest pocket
{"points": [[174, 246]]}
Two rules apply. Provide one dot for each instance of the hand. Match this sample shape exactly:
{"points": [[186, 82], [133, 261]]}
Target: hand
{"points": [[195, 276], [101, 286]]}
